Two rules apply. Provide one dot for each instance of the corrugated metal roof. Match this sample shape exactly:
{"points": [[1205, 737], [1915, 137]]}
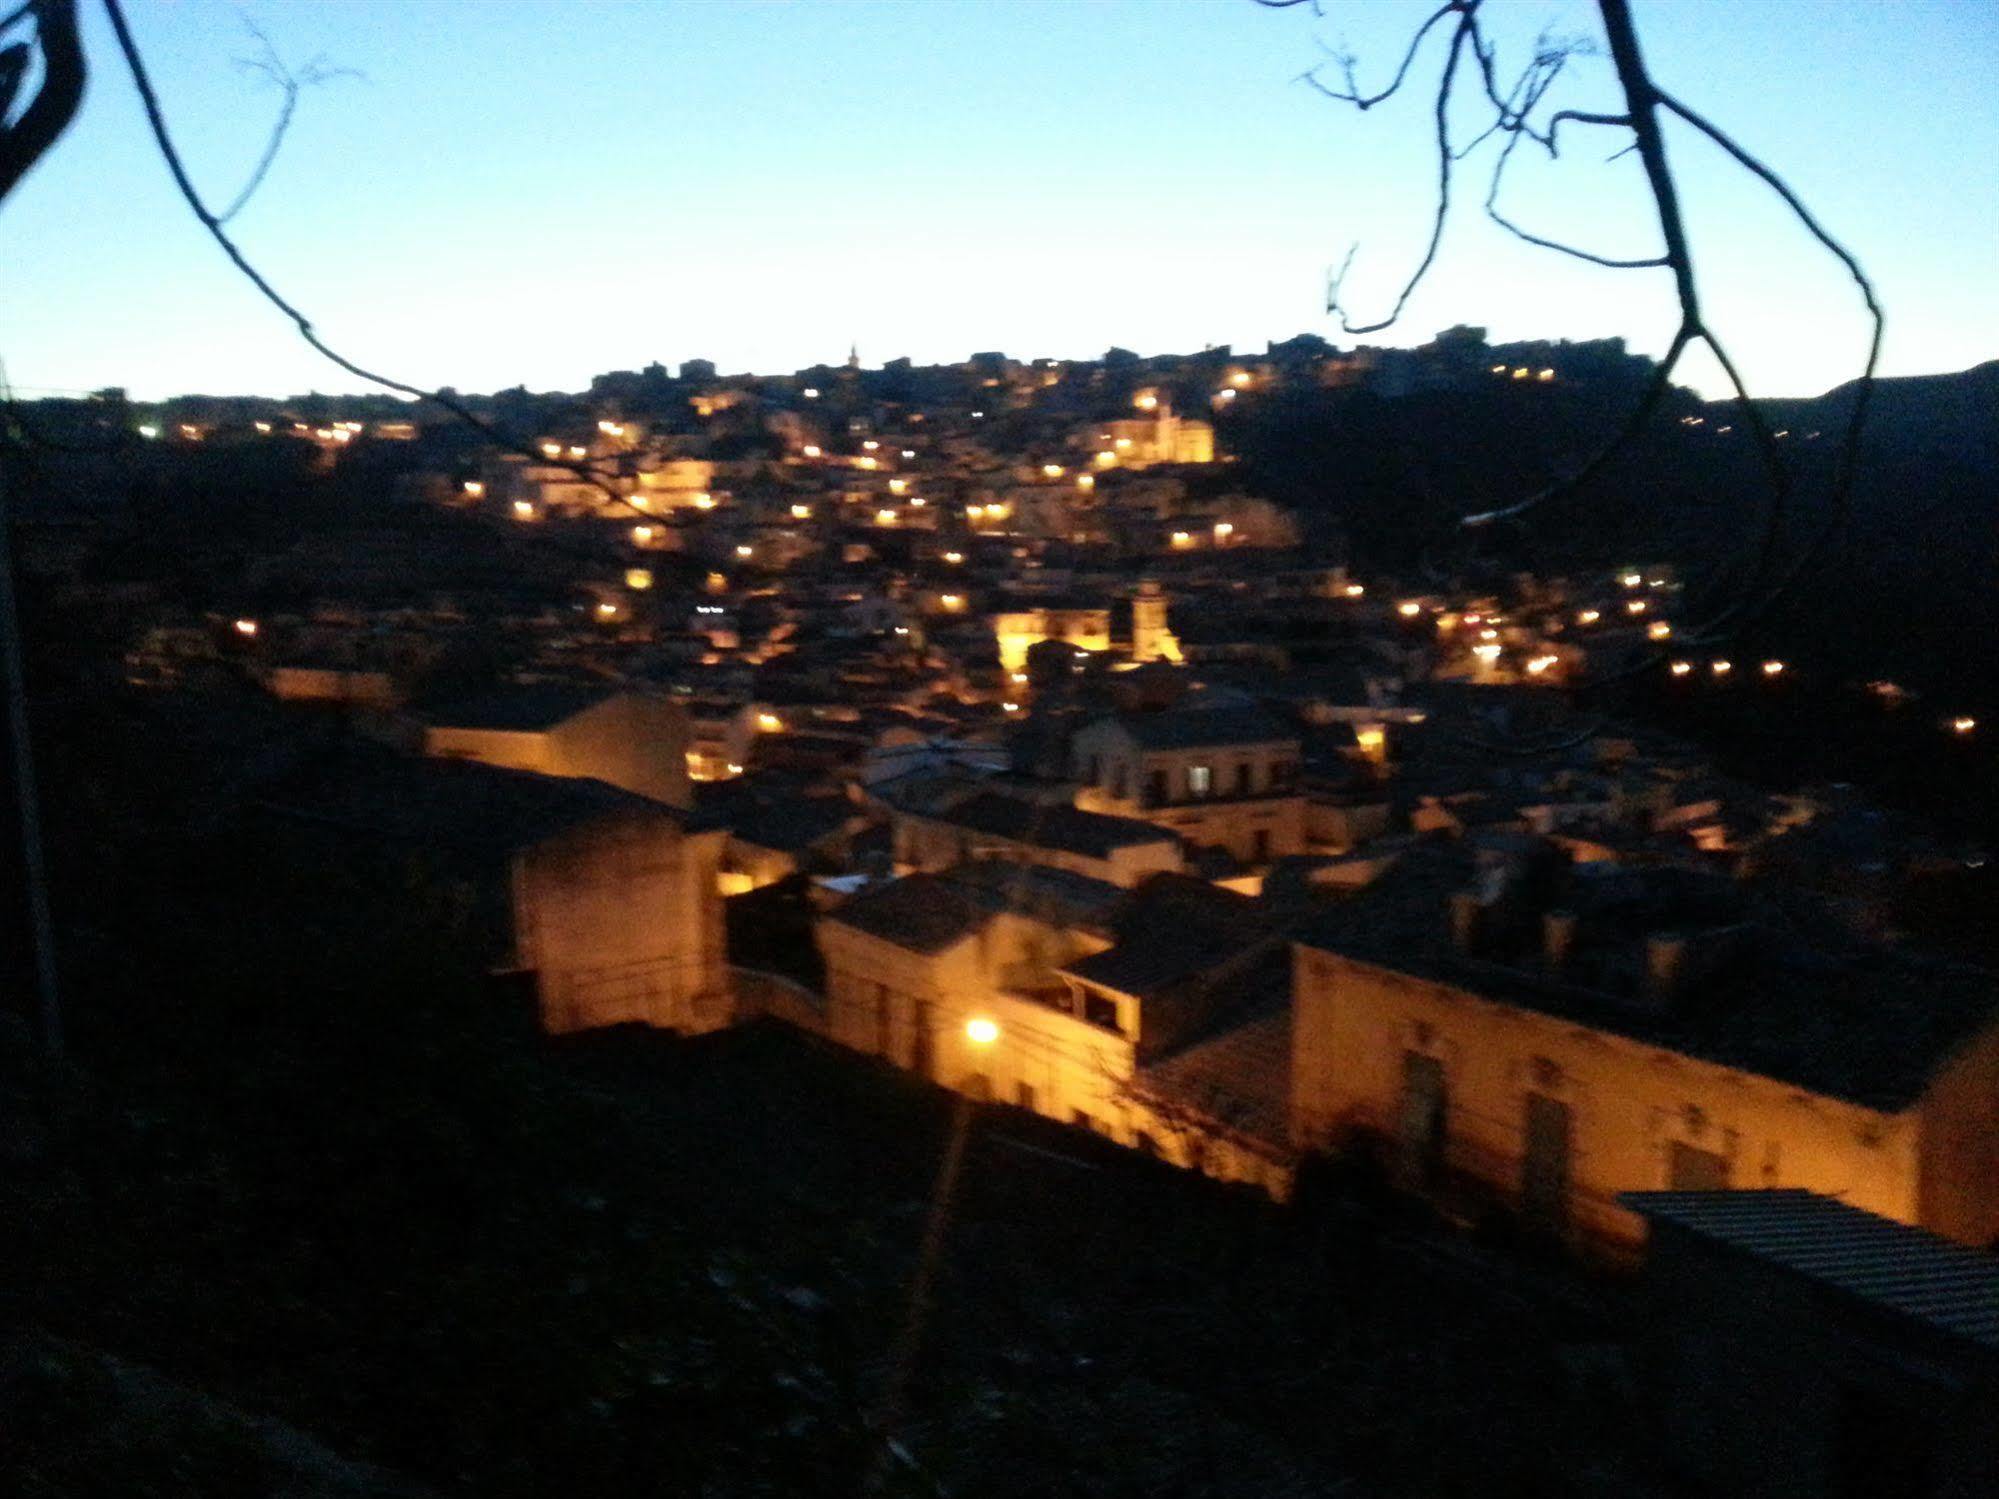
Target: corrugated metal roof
{"points": [[1887, 1264]]}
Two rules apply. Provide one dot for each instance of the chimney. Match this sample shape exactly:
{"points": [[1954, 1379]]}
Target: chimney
{"points": [[1676, 961], [1558, 937], [1467, 913]]}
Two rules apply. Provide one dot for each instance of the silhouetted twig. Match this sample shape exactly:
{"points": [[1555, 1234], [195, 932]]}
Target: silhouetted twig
{"points": [[272, 66]]}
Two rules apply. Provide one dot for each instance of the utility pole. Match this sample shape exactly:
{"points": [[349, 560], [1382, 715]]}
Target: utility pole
{"points": [[20, 774]]}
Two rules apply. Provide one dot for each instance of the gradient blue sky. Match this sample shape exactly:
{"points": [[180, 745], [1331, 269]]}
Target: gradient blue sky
{"points": [[538, 190]]}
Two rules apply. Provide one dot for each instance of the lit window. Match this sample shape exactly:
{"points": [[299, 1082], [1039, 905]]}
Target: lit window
{"points": [[1200, 778]]}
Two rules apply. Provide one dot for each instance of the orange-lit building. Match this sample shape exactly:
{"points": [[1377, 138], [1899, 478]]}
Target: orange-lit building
{"points": [[1510, 1034]]}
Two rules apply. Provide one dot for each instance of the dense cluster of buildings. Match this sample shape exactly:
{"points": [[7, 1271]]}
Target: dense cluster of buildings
{"points": [[1104, 794]]}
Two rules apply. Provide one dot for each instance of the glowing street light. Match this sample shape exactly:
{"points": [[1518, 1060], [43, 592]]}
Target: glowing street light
{"points": [[1408, 608], [638, 579], [1964, 723], [1355, 590], [801, 512], [1773, 668], [744, 549], [954, 557], [981, 1031], [247, 628], [1682, 668], [523, 510], [474, 489], [1659, 630], [1589, 616], [1722, 668], [769, 723]]}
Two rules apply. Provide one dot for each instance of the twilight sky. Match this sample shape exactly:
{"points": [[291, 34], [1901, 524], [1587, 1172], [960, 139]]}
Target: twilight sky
{"points": [[538, 190]]}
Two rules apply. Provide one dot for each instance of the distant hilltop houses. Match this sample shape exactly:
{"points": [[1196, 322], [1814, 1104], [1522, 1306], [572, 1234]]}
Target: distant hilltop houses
{"points": [[993, 722]]}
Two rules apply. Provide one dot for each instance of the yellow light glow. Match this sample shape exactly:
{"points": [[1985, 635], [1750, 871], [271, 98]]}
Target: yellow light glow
{"points": [[811, 392], [1658, 630], [1545, 375], [885, 517], [770, 723], [606, 610], [1681, 668], [981, 1031], [638, 579], [1588, 617], [1084, 481], [640, 502], [744, 549], [246, 627], [1631, 580], [1124, 442], [1355, 590], [1539, 664], [1773, 668], [1223, 530], [1018, 678], [716, 583], [1486, 653], [810, 450], [1051, 470], [733, 768], [1722, 668], [642, 534], [1408, 608], [1106, 458], [867, 463], [1239, 378], [870, 445], [523, 509], [1371, 741], [801, 512], [1145, 400], [1964, 723], [704, 502], [1521, 373], [474, 489], [954, 557], [611, 429], [576, 452], [1635, 606], [1224, 395], [263, 426], [1010, 707], [1182, 539]]}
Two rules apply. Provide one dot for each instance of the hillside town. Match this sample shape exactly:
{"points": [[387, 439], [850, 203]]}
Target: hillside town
{"points": [[1078, 781], [979, 722]]}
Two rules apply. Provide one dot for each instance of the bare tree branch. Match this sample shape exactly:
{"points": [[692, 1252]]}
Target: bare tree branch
{"points": [[24, 142], [156, 118], [316, 71]]}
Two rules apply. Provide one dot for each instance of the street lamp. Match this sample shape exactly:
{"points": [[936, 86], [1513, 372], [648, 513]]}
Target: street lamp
{"points": [[981, 1031]]}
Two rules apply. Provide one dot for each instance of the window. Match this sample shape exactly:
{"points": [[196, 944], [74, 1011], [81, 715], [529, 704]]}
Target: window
{"points": [[1100, 1009], [1155, 790], [1689, 1169], [1199, 780], [1424, 1106], [1544, 1169], [1245, 778], [1259, 845], [1023, 1094]]}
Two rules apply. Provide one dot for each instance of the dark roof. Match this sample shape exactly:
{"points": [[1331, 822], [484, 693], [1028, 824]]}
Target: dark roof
{"points": [[791, 824], [1172, 930], [1239, 1078], [927, 913], [1869, 1026], [1091, 834], [460, 805], [1199, 728], [519, 710], [1881, 1262]]}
